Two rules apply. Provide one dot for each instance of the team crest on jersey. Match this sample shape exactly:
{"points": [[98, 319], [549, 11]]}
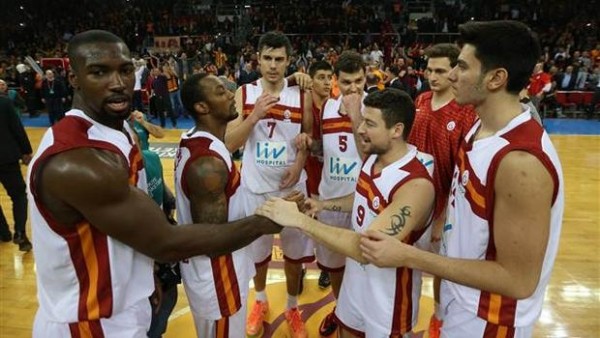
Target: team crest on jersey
{"points": [[451, 125], [376, 202], [286, 115], [464, 179]]}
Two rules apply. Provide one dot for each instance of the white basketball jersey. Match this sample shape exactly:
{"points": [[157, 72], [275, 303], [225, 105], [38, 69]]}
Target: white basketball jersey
{"points": [[82, 273], [395, 291], [216, 286], [471, 210], [270, 148], [341, 161]]}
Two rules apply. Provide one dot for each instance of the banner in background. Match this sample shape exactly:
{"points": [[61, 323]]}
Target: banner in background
{"points": [[165, 44]]}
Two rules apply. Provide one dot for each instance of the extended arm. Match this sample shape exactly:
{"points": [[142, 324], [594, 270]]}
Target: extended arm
{"points": [[523, 199], [206, 182], [97, 191]]}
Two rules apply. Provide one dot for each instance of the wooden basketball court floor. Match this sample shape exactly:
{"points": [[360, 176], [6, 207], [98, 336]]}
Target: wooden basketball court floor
{"points": [[571, 309]]}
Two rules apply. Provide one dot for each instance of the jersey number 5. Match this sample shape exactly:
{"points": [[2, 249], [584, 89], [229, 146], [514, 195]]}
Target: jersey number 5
{"points": [[343, 143]]}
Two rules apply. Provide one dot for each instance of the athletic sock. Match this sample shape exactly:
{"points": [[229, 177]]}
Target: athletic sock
{"points": [[292, 302], [261, 296]]}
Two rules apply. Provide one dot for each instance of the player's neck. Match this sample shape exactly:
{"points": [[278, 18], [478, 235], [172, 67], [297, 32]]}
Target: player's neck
{"points": [[396, 152], [216, 128], [319, 100], [496, 111], [441, 98], [273, 88]]}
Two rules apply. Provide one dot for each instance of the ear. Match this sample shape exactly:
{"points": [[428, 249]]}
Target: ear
{"points": [[497, 79], [398, 130], [201, 108], [73, 80]]}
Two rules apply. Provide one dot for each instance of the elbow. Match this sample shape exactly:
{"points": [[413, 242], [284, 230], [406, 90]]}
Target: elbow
{"points": [[522, 290]]}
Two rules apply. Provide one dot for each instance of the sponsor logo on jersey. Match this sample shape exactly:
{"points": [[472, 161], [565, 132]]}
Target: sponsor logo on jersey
{"points": [[272, 154], [343, 169], [451, 125]]}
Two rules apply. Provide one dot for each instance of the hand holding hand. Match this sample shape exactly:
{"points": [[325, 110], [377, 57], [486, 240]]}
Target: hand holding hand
{"points": [[312, 207], [282, 212], [296, 197]]}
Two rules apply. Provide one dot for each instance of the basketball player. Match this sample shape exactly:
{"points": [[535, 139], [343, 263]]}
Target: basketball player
{"points": [[207, 183], [440, 125], [273, 114], [342, 163], [394, 195], [321, 74], [96, 229], [506, 204]]}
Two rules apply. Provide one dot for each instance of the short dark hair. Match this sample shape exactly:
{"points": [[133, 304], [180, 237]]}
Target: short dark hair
{"points": [[396, 107], [275, 39], [192, 92], [444, 50], [372, 79], [319, 65], [89, 37], [349, 62], [507, 44]]}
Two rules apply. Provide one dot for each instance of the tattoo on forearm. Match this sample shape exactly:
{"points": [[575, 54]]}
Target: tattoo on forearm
{"points": [[398, 221], [336, 208]]}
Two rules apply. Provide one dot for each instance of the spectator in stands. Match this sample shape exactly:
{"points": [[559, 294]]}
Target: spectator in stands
{"points": [[54, 96], [566, 81], [540, 84]]}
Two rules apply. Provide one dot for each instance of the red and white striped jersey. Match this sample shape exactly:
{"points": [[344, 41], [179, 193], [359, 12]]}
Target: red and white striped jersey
{"points": [[468, 232], [82, 273]]}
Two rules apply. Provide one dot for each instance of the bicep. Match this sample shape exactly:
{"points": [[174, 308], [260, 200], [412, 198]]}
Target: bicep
{"points": [[523, 199], [98, 190], [207, 179], [409, 210]]}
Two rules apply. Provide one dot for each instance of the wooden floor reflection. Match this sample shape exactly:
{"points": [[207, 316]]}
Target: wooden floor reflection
{"points": [[572, 307]]}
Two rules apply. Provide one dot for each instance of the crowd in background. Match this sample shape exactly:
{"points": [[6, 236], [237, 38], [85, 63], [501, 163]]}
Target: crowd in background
{"points": [[213, 41]]}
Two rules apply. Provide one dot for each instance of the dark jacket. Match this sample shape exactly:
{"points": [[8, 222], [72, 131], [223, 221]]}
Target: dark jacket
{"points": [[13, 139]]}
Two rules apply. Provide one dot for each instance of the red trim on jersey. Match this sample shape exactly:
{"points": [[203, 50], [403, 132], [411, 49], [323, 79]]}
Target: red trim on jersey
{"points": [[475, 191], [341, 124], [88, 247], [527, 137], [86, 329], [222, 327], [277, 112], [402, 317], [498, 331], [356, 333], [226, 284], [367, 188]]}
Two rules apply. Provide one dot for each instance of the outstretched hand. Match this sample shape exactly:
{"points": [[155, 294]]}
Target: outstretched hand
{"points": [[283, 212], [296, 197]]}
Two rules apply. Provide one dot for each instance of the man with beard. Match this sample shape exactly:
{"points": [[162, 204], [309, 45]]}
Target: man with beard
{"points": [[394, 195], [96, 227]]}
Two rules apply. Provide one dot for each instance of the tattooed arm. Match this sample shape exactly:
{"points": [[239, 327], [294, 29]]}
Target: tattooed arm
{"points": [[207, 179], [408, 211]]}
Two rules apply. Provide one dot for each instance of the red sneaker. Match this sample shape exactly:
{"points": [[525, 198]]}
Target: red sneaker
{"points": [[328, 326], [254, 324], [435, 326], [295, 323]]}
